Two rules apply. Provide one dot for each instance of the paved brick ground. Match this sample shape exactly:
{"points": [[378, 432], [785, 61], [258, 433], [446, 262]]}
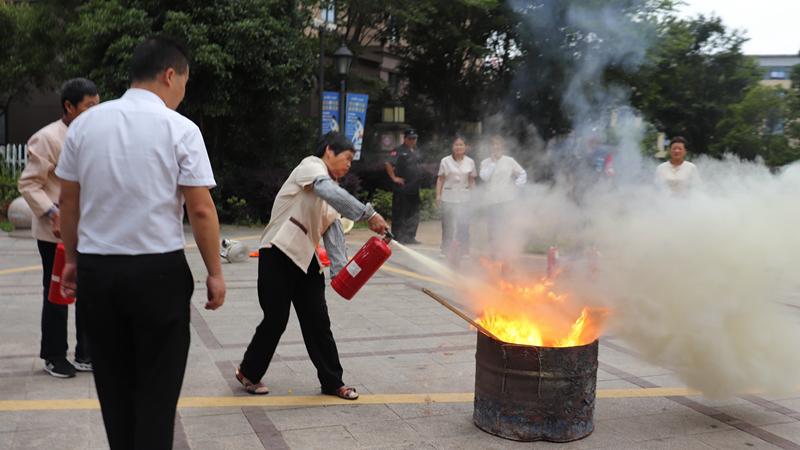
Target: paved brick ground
{"points": [[393, 340]]}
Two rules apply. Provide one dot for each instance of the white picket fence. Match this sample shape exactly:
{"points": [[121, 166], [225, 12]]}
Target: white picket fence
{"points": [[14, 156]]}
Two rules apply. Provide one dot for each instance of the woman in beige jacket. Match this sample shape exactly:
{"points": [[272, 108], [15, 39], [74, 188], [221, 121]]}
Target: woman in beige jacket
{"points": [[289, 271]]}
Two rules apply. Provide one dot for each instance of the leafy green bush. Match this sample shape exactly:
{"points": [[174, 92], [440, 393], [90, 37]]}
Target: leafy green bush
{"points": [[429, 209], [8, 192], [382, 202], [235, 212]]}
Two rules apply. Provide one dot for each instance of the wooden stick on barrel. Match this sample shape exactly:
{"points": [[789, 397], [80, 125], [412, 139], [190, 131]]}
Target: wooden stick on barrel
{"points": [[462, 315]]}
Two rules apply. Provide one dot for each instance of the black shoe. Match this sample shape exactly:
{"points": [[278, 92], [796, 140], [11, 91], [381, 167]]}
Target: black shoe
{"points": [[59, 368], [412, 242], [82, 365]]}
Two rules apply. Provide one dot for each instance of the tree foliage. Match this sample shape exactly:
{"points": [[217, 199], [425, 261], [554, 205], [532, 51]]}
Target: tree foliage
{"points": [[444, 58], [575, 57], [29, 37], [696, 69], [757, 127], [252, 65]]}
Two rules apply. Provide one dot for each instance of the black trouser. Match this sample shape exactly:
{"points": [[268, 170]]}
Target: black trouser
{"points": [[55, 317], [405, 215], [137, 315], [455, 216], [281, 283]]}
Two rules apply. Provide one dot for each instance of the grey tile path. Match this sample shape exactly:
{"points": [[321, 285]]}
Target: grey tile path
{"points": [[392, 339]]}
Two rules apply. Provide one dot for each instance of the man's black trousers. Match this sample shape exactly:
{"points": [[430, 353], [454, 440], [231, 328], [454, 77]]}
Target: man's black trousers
{"points": [[405, 216], [136, 310], [55, 317]]}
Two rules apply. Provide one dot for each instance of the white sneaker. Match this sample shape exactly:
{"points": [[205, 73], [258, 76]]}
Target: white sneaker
{"points": [[442, 256], [82, 366]]}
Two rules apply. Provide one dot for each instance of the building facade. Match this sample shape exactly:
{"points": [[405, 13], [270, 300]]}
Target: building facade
{"points": [[778, 69]]}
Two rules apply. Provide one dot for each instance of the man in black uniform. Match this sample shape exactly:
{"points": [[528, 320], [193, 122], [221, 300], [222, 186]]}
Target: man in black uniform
{"points": [[405, 171]]}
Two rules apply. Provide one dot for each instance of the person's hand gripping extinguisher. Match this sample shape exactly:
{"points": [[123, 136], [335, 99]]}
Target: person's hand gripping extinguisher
{"points": [[377, 224]]}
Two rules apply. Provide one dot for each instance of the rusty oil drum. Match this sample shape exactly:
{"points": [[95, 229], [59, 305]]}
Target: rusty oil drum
{"points": [[529, 393]]}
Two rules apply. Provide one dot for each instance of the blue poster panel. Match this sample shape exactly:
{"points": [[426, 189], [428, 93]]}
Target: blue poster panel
{"points": [[330, 112], [356, 115]]}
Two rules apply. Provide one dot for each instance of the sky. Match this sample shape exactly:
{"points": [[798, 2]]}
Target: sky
{"points": [[771, 25]]}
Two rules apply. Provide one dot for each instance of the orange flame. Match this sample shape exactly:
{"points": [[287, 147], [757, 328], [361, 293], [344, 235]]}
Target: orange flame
{"points": [[537, 316]]}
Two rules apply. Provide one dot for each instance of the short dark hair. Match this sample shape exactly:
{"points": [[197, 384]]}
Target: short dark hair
{"points": [[460, 137], [679, 140], [337, 141], [156, 54], [75, 90]]}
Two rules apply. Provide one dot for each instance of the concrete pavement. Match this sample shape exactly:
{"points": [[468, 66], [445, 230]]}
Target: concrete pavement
{"points": [[411, 359]]}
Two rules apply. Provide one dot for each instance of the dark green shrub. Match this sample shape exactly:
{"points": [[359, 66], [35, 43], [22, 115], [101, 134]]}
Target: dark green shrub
{"points": [[382, 202], [246, 196], [429, 209], [8, 192]]}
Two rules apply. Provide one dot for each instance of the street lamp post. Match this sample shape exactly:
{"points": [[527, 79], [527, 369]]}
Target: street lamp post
{"points": [[325, 23], [342, 59]]}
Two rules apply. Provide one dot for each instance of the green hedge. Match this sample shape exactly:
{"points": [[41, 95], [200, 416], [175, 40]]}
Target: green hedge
{"points": [[382, 202]]}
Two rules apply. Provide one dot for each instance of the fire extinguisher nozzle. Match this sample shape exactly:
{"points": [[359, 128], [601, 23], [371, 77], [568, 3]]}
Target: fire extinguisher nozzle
{"points": [[389, 236]]}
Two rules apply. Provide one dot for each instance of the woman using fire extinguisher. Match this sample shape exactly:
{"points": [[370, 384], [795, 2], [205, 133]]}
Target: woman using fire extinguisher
{"points": [[306, 208]]}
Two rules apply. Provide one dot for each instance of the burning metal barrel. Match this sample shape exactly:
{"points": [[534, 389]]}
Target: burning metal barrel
{"points": [[530, 393]]}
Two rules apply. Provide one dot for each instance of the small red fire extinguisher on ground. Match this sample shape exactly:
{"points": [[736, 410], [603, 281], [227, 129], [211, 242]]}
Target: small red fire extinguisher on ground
{"points": [[55, 278], [552, 261], [363, 265]]}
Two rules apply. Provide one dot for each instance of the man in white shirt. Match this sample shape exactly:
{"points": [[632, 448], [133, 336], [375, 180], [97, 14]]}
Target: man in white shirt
{"points": [[677, 174], [127, 169]]}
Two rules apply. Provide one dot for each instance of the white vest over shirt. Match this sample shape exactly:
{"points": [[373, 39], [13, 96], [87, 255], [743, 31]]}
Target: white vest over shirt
{"points": [[299, 216], [455, 187], [131, 156]]}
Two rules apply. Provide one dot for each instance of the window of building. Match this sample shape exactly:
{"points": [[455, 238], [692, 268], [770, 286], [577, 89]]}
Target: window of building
{"points": [[328, 13], [778, 72]]}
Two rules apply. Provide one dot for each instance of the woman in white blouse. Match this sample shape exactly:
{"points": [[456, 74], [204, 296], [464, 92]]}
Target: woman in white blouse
{"points": [[455, 187], [503, 176], [676, 173]]}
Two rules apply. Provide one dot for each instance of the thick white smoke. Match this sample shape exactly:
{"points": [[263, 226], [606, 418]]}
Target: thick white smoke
{"points": [[699, 280], [695, 283]]}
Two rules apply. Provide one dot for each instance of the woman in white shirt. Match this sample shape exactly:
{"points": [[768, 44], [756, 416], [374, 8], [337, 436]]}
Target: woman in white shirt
{"points": [[677, 174], [503, 175], [455, 187]]}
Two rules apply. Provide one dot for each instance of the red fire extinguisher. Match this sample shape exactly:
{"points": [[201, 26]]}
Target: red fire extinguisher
{"points": [[55, 278], [552, 261], [323, 256], [363, 265]]}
